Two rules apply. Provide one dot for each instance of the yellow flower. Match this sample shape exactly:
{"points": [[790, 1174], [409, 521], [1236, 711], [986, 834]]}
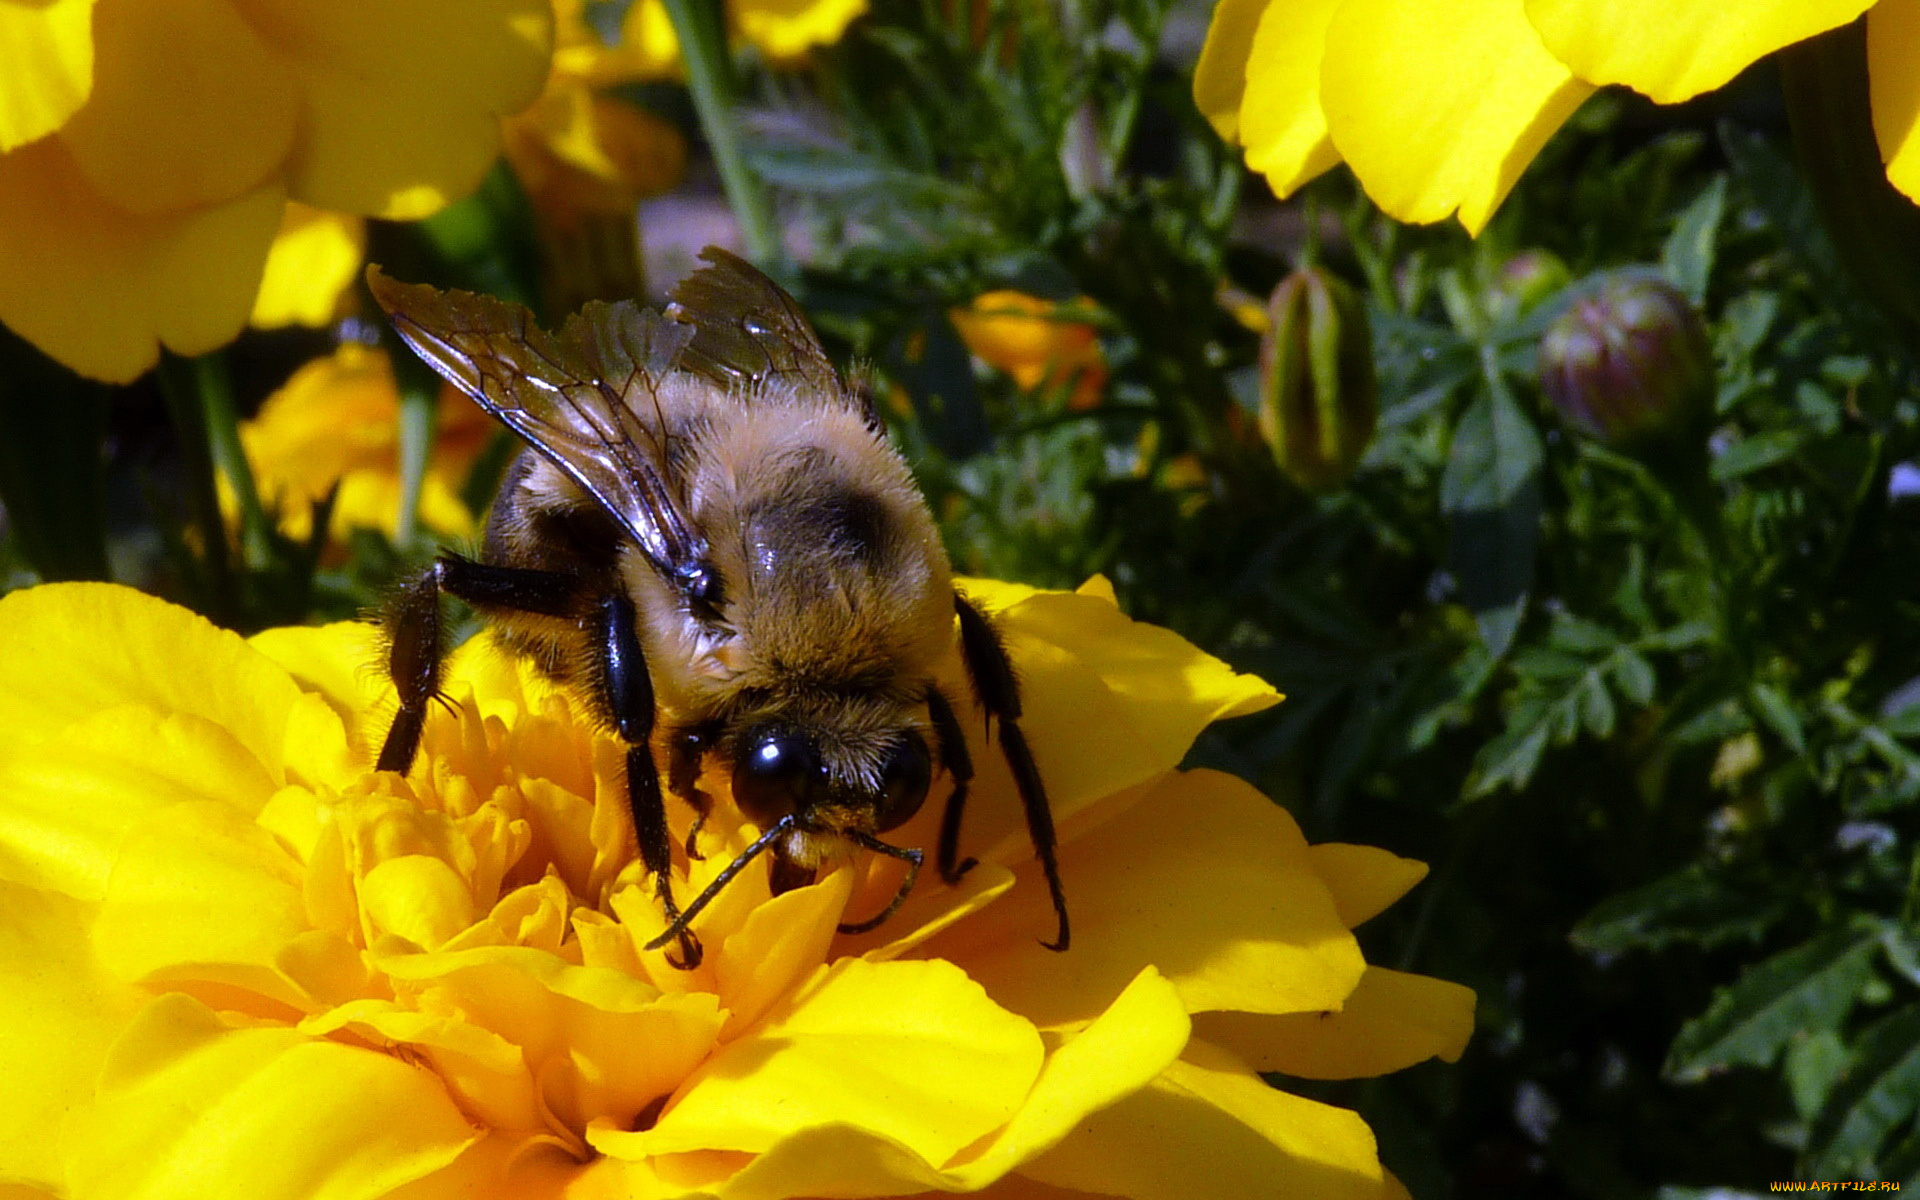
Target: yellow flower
{"points": [[337, 421], [311, 268], [580, 152], [238, 962], [781, 30], [146, 157], [1438, 105], [1033, 343]]}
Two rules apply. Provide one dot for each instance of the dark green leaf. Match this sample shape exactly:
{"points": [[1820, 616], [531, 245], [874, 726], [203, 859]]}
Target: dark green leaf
{"points": [[1491, 493], [1778, 713], [1694, 904], [1812, 1064], [1757, 453], [1808, 988], [1687, 258], [1877, 1091]]}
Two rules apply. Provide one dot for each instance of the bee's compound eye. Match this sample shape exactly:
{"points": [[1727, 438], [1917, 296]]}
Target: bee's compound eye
{"points": [[903, 782], [774, 776]]}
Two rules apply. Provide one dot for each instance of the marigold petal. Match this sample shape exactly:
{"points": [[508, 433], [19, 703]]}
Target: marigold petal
{"points": [[1893, 46], [59, 1012], [781, 943], [1220, 77], [314, 261], [1390, 1021], [1209, 1117], [191, 1108], [226, 122], [1672, 50], [786, 29], [1206, 879], [1439, 105], [1364, 880], [201, 893], [485, 1073], [74, 801], [419, 897], [1119, 1053], [98, 288], [911, 1051], [402, 100], [56, 669], [1282, 123], [1140, 1035], [601, 1043], [48, 49], [1108, 703], [339, 663]]}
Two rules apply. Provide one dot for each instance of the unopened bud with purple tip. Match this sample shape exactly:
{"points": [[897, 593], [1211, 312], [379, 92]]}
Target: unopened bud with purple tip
{"points": [[1523, 281], [1629, 364]]}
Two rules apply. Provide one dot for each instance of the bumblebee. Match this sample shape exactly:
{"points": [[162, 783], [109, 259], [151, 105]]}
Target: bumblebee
{"points": [[707, 534]]}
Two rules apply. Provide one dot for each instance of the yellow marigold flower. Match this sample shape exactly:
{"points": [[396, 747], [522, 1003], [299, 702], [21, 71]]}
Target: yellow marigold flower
{"points": [[781, 30], [238, 962], [146, 157], [577, 151], [1438, 105], [312, 264], [337, 421], [1031, 341]]}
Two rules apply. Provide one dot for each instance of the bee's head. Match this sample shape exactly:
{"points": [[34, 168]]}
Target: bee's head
{"points": [[781, 768]]}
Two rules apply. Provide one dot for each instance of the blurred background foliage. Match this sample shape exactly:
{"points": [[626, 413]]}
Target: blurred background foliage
{"points": [[1636, 668]]}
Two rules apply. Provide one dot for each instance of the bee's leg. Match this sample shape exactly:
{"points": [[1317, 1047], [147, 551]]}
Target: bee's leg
{"points": [[687, 754], [958, 764], [416, 637], [626, 695], [999, 693]]}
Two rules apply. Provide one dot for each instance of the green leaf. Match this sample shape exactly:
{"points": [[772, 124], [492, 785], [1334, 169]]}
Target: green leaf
{"points": [[1694, 904], [1877, 1091], [1775, 709], [1491, 493], [1804, 990], [1687, 258], [1756, 453], [1812, 1064]]}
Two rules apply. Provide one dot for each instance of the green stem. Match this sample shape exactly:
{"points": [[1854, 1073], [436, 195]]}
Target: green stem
{"points": [[180, 389], [701, 27], [215, 387], [419, 417]]}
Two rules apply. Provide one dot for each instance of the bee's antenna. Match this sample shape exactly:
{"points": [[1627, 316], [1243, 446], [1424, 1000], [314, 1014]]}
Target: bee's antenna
{"points": [[700, 902], [911, 857]]}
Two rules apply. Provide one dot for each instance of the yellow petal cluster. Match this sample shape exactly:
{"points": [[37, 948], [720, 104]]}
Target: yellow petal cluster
{"points": [[148, 148], [783, 31], [1438, 105], [336, 422], [1035, 343], [238, 962], [580, 151]]}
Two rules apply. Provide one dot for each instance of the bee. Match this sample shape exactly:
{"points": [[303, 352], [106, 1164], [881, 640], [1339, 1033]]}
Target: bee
{"points": [[708, 536]]}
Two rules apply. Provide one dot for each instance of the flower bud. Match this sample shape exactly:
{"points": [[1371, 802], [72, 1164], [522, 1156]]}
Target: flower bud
{"points": [[1523, 281], [1319, 398], [1630, 363]]}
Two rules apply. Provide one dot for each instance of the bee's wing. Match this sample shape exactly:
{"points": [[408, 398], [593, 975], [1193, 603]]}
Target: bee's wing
{"points": [[747, 330], [568, 396]]}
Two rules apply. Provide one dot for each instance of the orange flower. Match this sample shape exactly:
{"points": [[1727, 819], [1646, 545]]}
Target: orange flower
{"points": [[1030, 340]]}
